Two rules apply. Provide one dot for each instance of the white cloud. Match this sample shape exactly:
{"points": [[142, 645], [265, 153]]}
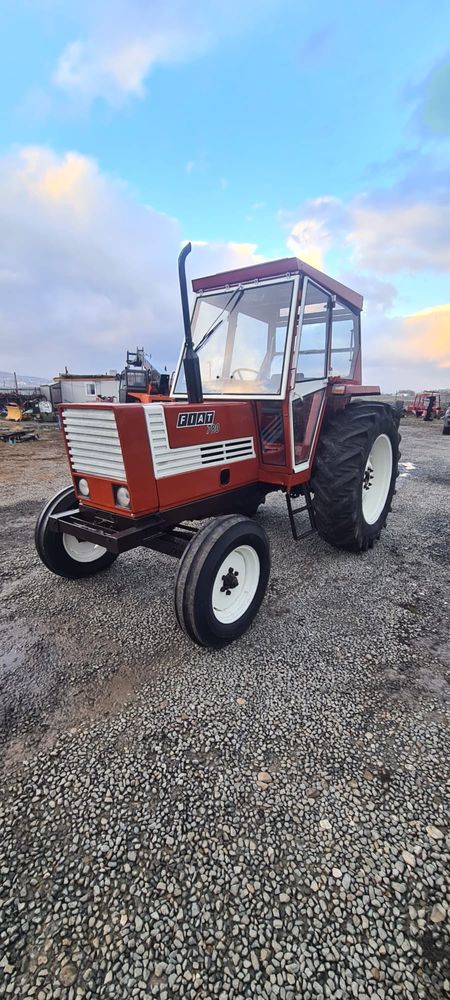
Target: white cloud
{"points": [[313, 232], [86, 271], [371, 242], [410, 235], [121, 41], [404, 228]]}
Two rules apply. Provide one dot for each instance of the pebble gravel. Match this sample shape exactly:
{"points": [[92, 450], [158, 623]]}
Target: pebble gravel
{"points": [[270, 820]]}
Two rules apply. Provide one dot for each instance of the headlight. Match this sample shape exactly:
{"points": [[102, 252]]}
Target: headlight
{"points": [[83, 487], [123, 496]]}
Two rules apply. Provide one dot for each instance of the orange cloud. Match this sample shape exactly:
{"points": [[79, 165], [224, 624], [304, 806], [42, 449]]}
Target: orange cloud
{"points": [[71, 180], [420, 340], [427, 334]]}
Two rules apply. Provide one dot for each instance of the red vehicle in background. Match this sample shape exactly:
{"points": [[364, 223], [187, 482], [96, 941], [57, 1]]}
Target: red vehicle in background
{"points": [[422, 403]]}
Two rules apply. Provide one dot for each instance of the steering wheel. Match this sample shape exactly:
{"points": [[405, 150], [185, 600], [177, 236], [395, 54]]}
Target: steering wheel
{"points": [[236, 370]]}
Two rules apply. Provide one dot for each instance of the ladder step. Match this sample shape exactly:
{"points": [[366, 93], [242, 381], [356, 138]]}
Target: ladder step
{"points": [[308, 506]]}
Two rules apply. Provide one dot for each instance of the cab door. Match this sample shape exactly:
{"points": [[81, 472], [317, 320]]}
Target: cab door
{"points": [[308, 391]]}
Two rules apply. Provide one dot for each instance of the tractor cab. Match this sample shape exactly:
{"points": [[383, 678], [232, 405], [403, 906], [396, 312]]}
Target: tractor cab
{"points": [[284, 336]]}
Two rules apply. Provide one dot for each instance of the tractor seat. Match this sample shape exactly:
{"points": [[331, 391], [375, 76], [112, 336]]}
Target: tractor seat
{"points": [[274, 382]]}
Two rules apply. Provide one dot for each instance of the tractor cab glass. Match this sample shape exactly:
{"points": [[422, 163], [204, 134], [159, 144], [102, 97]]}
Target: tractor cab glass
{"points": [[240, 336]]}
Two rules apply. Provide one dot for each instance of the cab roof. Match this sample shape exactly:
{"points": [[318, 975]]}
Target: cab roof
{"points": [[276, 269]]}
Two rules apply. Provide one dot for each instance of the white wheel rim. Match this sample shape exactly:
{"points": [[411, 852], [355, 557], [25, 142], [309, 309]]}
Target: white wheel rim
{"points": [[377, 479], [236, 584], [82, 552]]}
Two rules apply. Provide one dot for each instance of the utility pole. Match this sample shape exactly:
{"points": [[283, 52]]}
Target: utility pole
{"points": [[15, 383]]}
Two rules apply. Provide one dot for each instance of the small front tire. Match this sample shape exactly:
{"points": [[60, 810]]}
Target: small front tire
{"points": [[64, 554], [221, 581]]}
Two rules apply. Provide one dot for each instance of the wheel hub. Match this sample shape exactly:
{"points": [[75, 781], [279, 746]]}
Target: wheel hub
{"points": [[229, 581], [235, 584], [368, 476]]}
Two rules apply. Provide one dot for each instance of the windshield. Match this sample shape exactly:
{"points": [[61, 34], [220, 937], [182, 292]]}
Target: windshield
{"points": [[139, 379], [240, 336]]}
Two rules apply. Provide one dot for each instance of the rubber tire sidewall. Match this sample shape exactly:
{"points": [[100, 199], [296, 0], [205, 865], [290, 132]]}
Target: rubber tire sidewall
{"points": [[50, 547], [197, 618], [344, 524]]}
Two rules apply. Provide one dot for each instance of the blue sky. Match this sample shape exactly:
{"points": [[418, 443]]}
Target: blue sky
{"points": [[258, 130]]}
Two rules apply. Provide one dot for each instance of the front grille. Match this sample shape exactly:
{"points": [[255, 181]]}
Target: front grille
{"points": [[93, 442], [227, 451]]}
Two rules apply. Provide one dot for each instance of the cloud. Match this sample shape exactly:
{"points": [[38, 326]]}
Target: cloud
{"points": [[372, 241], [425, 335], [433, 111], [122, 41], [410, 233], [86, 271], [411, 349], [313, 234], [404, 227]]}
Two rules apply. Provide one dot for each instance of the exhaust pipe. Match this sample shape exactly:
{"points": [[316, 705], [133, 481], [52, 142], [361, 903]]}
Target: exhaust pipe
{"points": [[191, 363]]}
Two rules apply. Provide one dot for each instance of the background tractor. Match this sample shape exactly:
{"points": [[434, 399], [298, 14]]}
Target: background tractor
{"points": [[426, 403], [266, 396]]}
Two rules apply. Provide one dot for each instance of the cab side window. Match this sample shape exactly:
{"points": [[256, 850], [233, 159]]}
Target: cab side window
{"points": [[312, 356], [343, 338]]}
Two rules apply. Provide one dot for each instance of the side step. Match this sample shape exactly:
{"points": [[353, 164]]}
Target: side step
{"points": [[305, 492]]}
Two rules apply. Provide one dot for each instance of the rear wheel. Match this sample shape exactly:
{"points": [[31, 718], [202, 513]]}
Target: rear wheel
{"points": [[446, 429], [354, 475], [221, 581], [62, 553]]}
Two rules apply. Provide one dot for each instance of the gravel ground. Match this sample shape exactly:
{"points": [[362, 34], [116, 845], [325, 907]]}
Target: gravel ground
{"points": [[267, 821]]}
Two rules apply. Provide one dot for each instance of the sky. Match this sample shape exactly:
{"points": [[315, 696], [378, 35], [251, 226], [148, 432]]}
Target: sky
{"points": [[257, 130]]}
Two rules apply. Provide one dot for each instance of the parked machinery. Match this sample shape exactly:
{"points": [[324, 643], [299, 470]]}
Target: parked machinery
{"points": [[426, 404], [269, 398], [140, 381]]}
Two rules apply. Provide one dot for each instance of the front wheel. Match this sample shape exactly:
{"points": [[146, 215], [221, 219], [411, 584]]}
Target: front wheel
{"points": [[354, 475], [64, 554], [221, 581], [446, 429]]}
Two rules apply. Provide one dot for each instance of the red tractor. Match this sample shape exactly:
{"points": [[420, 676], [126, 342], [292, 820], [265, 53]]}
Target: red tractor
{"points": [[266, 400], [427, 404]]}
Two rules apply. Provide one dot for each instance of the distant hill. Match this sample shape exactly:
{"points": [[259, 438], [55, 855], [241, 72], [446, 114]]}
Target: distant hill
{"points": [[23, 381]]}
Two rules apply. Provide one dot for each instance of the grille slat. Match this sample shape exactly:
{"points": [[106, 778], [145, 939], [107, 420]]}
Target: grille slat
{"points": [[93, 442]]}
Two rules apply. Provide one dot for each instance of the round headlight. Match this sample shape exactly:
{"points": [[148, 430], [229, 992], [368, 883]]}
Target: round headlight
{"points": [[123, 496], [83, 487]]}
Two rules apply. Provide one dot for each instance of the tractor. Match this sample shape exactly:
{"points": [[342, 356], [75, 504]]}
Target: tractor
{"points": [[426, 405], [267, 395]]}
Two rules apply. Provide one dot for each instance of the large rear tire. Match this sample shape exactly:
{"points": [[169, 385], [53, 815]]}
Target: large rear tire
{"points": [[62, 553], [221, 581], [354, 474]]}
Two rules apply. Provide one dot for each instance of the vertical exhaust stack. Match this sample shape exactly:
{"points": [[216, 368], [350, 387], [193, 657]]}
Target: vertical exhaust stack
{"points": [[191, 363]]}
